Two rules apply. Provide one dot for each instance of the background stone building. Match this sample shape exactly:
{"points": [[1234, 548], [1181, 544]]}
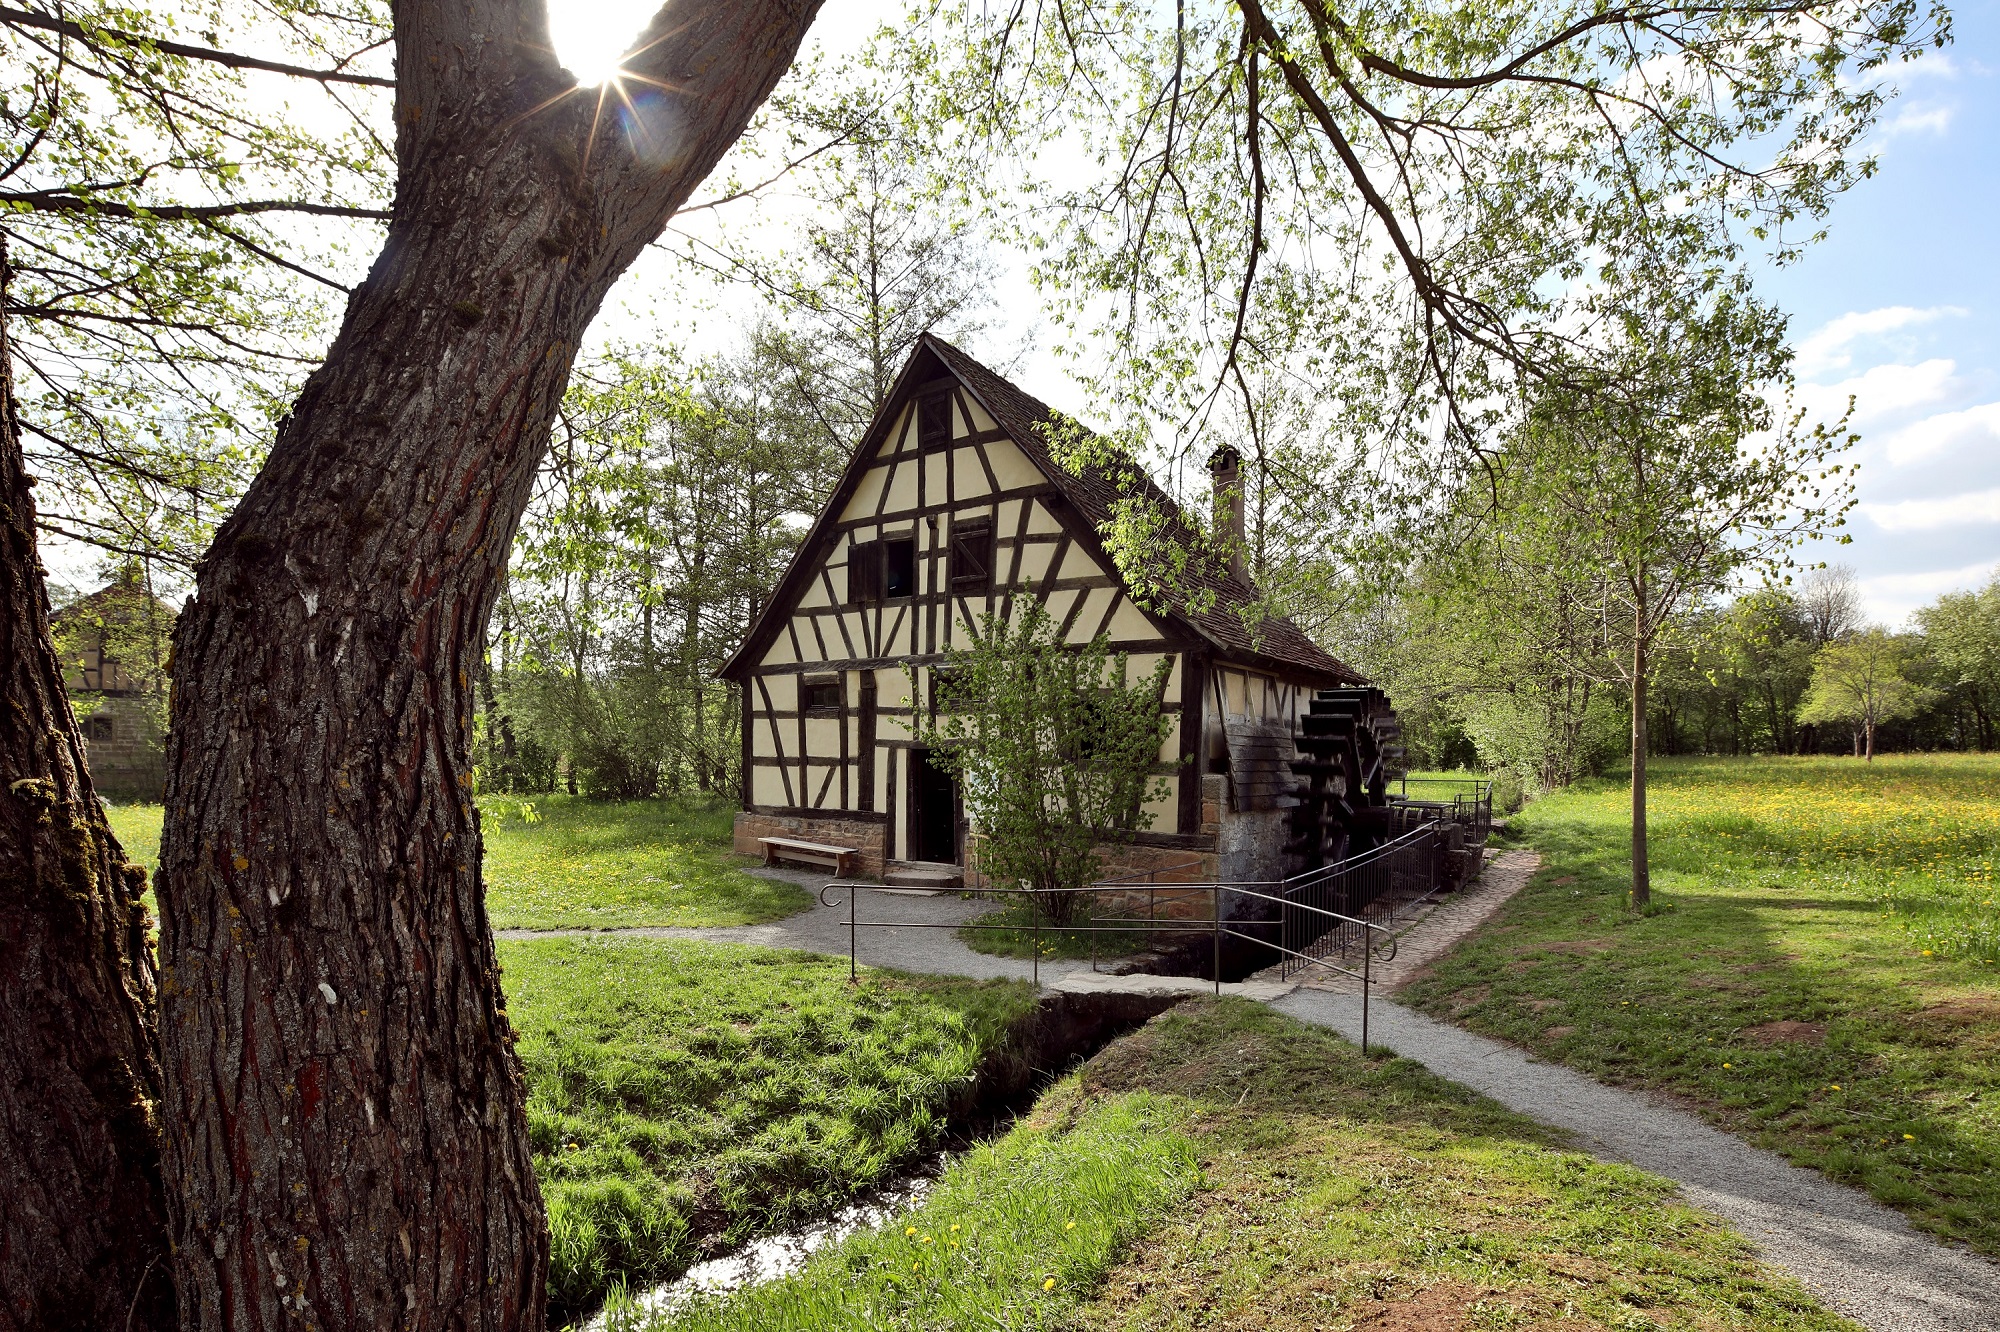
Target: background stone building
{"points": [[114, 645]]}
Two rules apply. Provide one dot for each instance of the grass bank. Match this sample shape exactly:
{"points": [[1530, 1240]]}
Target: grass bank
{"points": [[559, 862], [1823, 982], [1228, 1167], [686, 1095]]}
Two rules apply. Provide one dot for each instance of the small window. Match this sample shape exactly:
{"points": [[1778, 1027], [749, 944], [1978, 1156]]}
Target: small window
{"points": [[899, 567], [933, 421], [821, 693], [972, 555], [98, 728], [864, 573]]}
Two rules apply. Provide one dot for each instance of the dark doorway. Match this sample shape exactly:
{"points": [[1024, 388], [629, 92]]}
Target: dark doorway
{"points": [[933, 811]]}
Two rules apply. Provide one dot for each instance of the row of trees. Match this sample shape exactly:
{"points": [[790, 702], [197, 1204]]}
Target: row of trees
{"points": [[667, 511], [1786, 669]]}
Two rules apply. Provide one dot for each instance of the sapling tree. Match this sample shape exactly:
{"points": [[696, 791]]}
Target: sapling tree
{"points": [[1645, 490], [1056, 747], [1863, 680]]}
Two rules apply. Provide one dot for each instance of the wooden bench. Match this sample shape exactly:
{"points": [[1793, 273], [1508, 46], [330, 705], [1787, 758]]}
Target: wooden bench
{"points": [[836, 858]]}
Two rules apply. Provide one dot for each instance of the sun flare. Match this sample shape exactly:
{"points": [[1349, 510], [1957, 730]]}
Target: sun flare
{"points": [[591, 36]]}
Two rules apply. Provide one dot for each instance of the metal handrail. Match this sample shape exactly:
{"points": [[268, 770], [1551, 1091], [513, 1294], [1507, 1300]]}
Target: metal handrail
{"points": [[1214, 927]]}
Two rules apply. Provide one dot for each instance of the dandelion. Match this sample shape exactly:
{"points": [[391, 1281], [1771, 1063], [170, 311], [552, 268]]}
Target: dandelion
{"points": [[1834, 1087], [1050, 1284], [1070, 1226], [911, 1231], [1909, 1137], [913, 1267], [1727, 1065], [954, 1225]]}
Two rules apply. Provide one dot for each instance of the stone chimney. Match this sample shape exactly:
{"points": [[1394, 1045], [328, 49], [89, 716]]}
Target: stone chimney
{"points": [[1225, 466]]}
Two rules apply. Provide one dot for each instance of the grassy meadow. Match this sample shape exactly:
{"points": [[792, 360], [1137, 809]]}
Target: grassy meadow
{"points": [[683, 1094], [559, 862], [1226, 1166], [1823, 978]]}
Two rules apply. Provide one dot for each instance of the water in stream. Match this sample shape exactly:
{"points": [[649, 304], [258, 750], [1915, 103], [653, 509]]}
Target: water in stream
{"points": [[774, 1256]]}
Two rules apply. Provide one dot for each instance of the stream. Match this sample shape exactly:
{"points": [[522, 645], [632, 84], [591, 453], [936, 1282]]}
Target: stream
{"points": [[776, 1256]]}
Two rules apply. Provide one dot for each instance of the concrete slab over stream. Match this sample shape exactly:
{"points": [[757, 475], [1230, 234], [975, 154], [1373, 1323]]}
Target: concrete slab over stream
{"points": [[1857, 1256]]}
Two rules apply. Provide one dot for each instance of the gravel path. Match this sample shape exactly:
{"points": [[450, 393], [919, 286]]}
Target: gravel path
{"points": [[1855, 1255]]}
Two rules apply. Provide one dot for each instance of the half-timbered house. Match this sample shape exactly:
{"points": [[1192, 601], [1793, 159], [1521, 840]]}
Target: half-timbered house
{"points": [[951, 506]]}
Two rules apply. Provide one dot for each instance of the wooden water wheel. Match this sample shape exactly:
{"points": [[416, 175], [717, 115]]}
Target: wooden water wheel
{"points": [[1347, 755]]}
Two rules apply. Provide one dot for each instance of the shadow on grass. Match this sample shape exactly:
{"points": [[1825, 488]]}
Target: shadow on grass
{"points": [[1366, 1192]]}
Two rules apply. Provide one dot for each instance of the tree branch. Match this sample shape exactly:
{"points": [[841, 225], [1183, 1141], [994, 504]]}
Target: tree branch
{"points": [[94, 37], [57, 201]]}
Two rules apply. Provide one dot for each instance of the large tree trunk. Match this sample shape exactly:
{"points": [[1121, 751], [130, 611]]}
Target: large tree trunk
{"points": [[344, 1131], [82, 1226]]}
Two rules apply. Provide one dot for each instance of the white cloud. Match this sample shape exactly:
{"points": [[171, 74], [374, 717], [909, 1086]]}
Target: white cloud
{"points": [[1883, 390], [1974, 428], [1922, 515], [1828, 347], [1889, 598], [1920, 120]]}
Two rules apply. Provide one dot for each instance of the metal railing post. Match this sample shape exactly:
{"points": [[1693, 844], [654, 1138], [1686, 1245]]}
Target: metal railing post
{"points": [[1367, 979], [1035, 909], [1215, 910]]}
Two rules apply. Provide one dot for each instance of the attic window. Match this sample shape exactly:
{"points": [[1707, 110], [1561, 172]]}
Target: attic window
{"points": [[933, 421], [899, 567], [972, 555]]}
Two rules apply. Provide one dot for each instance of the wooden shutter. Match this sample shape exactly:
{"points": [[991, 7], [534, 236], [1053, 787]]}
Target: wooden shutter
{"points": [[864, 573], [972, 556]]}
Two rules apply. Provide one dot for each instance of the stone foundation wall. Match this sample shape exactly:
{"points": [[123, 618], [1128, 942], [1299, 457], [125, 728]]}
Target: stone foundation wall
{"points": [[1165, 866], [830, 828]]}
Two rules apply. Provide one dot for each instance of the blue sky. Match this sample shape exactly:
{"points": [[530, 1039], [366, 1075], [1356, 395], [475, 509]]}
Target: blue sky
{"points": [[1900, 307]]}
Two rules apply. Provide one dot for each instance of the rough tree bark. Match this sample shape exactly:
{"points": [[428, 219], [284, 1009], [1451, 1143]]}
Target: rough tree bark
{"points": [[82, 1225], [344, 1136]]}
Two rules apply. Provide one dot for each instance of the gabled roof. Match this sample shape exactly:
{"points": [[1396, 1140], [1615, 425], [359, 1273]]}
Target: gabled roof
{"points": [[1275, 642]]}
